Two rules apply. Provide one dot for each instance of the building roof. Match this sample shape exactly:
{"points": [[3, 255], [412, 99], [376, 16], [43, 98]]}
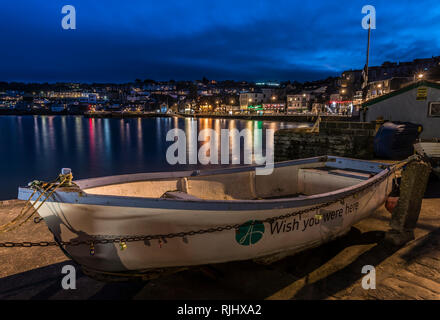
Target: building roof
{"points": [[422, 83]]}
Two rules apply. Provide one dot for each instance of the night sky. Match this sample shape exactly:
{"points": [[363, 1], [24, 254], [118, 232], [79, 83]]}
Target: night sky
{"points": [[119, 41]]}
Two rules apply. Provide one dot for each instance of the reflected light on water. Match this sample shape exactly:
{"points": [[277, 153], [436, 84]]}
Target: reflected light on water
{"points": [[79, 135], [37, 147], [107, 138], [92, 145]]}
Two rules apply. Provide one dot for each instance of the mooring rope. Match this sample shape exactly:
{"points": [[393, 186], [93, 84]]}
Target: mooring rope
{"points": [[44, 188]]}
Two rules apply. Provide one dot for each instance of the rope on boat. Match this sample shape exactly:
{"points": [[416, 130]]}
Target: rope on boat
{"points": [[123, 240], [45, 188]]}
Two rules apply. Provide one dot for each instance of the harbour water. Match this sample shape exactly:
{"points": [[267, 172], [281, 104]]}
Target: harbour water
{"points": [[37, 147]]}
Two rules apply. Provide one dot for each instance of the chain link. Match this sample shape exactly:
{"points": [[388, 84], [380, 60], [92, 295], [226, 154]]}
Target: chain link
{"points": [[162, 237]]}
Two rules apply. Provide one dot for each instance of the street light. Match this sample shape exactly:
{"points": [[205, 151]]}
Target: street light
{"points": [[420, 76]]}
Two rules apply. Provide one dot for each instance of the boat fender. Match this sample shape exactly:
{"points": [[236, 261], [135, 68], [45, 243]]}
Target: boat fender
{"points": [[391, 203]]}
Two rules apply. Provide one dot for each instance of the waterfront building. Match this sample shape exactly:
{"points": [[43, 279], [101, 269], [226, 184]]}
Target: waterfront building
{"points": [[82, 97], [338, 105], [299, 103], [357, 98], [251, 100], [418, 103], [381, 87], [349, 83], [269, 108], [351, 80]]}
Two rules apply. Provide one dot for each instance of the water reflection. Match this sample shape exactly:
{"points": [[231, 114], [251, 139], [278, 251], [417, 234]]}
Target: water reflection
{"points": [[64, 133], [107, 138], [79, 135], [37, 147], [36, 136]]}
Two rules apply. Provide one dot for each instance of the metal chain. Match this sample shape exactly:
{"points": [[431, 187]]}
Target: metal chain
{"points": [[160, 237]]}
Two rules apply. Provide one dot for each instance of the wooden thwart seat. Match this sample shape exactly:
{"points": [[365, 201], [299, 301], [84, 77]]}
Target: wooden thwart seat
{"points": [[180, 196]]}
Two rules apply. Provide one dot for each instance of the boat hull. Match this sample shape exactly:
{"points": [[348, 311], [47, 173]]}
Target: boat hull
{"points": [[77, 217]]}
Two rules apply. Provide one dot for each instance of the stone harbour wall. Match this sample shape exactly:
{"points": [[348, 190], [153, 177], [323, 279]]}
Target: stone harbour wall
{"points": [[337, 138]]}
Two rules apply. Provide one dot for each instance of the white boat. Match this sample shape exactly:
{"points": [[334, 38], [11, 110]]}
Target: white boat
{"points": [[141, 222], [431, 150]]}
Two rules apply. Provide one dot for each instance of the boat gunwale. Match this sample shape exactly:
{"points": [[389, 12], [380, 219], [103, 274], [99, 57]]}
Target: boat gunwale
{"points": [[213, 205], [163, 175]]}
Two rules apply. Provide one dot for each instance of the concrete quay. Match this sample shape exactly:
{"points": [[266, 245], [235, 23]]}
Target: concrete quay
{"points": [[128, 114], [273, 117]]}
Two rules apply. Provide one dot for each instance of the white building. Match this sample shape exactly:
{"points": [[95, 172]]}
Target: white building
{"points": [[250, 100], [297, 103], [418, 103]]}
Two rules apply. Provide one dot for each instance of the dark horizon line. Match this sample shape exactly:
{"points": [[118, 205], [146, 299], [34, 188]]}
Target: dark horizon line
{"points": [[155, 80], [27, 82]]}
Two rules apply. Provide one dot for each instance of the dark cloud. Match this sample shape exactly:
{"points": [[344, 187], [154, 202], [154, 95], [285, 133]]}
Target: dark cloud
{"points": [[243, 40]]}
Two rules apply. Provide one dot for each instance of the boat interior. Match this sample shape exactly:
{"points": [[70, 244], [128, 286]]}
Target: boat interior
{"points": [[288, 179]]}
